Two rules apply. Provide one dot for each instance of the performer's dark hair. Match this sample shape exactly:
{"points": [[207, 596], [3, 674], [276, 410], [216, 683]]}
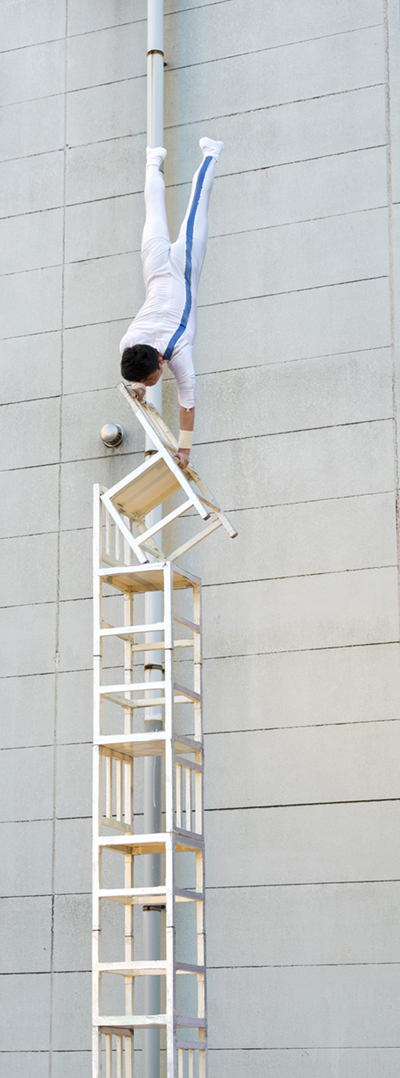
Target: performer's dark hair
{"points": [[138, 362]]}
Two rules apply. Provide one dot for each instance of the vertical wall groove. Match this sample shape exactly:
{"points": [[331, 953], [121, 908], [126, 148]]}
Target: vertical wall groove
{"points": [[57, 655], [389, 157]]}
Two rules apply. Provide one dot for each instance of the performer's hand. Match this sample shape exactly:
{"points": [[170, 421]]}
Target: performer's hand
{"points": [[139, 388], [182, 457]]}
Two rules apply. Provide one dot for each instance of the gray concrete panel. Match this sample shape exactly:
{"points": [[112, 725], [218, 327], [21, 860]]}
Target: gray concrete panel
{"points": [[108, 55], [19, 1064], [73, 861], [26, 784], [354, 762], [332, 125], [31, 302], [84, 415], [37, 423], [31, 21], [34, 72], [27, 705], [303, 844], [301, 466], [74, 1064], [35, 183], [31, 369], [106, 112], [358, 684], [105, 169], [30, 570], [256, 332], [318, 19], [318, 67], [83, 17], [25, 935], [107, 227], [32, 127], [75, 636], [118, 51], [297, 131], [102, 290], [320, 322], [75, 629], [26, 858], [299, 256], [259, 199], [72, 1011], [393, 76], [304, 1063], [74, 795], [278, 195], [78, 477], [302, 612], [31, 242], [29, 499], [337, 124], [28, 639], [99, 345], [74, 721], [330, 1006], [332, 924], [72, 933], [312, 537], [76, 550], [320, 392], [309, 393], [24, 1012]]}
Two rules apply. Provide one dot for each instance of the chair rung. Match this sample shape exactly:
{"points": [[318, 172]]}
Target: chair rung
{"points": [[192, 1046]]}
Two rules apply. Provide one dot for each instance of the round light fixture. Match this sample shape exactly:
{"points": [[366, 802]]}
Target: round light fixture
{"points": [[112, 435]]}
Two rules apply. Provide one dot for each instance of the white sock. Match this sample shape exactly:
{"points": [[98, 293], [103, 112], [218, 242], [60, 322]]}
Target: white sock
{"points": [[210, 147], [155, 155]]}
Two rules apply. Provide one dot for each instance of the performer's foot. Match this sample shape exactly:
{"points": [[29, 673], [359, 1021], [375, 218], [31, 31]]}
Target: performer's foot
{"points": [[211, 148], [155, 155]]}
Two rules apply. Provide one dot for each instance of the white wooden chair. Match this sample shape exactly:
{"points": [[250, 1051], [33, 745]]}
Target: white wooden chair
{"points": [[152, 484]]}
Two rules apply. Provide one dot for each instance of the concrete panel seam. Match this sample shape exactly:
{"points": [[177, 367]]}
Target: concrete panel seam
{"points": [[268, 729], [300, 430], [222, 175], [303, 804], [295, 965], [286, 292], [215, 235], [317, 883], [220, 116], [272, 48], [34, 45]]}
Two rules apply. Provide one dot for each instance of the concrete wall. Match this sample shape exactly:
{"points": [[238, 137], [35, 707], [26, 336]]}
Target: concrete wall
{"points": [[297, 433]]}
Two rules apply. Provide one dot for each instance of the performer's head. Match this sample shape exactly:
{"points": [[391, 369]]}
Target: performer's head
{"points": [[141, 363]]}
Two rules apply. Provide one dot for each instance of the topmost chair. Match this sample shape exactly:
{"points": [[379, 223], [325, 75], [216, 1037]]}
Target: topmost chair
{"points": [[153, 483]]}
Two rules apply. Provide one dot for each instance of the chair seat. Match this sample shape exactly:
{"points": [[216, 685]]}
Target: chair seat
{"points": [[146, 491]]}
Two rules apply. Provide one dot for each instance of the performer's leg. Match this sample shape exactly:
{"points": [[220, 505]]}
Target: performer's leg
{"points": [[156, 225], [187, 253], [194, 228]]}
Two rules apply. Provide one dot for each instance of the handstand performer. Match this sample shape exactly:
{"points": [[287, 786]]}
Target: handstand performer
{"points": [[165, 327]]}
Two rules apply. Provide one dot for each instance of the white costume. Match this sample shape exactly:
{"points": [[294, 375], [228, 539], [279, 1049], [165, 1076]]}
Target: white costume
{"points": [[168, 318]]}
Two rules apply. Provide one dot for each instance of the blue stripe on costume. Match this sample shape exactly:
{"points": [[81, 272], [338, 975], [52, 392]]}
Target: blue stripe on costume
{"points": [[188, 260]]}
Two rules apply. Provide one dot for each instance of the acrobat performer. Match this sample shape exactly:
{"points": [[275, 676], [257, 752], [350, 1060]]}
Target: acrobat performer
{"points": [[165, 327]]}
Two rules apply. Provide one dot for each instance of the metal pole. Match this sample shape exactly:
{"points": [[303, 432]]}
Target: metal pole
{"points": [[153, 603]]}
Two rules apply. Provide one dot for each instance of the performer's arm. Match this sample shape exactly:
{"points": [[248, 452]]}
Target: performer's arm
{"points": [[186, 423], [182, 368]]}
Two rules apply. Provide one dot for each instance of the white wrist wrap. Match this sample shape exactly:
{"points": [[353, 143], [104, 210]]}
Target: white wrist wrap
{"points": [[185, 439]]}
